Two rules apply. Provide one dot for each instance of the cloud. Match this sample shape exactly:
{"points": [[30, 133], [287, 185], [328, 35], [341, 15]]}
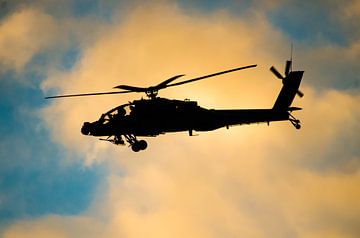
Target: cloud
{"points": [[35, 30], [80, 226], [317, 22], [321, 73], [251, 181], [246, 186], [23, 34], [352, 9], [33, 178]]}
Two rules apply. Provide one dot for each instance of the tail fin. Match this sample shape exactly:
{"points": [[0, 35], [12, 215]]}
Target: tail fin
{"points": [[290, 88], [291, 83]]}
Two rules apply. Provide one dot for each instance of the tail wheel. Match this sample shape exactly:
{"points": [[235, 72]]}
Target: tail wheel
{"points": [[295, 122]]}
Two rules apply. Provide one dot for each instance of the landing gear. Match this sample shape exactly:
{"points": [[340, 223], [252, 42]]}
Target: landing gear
{"points": [[139, 145], [136, 145], [117, 140], [295, 122]]}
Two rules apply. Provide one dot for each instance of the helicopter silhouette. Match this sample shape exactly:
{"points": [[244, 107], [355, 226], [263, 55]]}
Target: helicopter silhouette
{"points": [[154, 116]]}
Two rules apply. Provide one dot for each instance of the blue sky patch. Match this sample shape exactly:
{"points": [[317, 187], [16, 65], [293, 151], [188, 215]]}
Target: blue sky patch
{"points": [[311, 22], [233, 7], [33, 180], [69, 58]]}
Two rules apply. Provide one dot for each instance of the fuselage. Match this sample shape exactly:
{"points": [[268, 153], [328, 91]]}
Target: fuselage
{"points": [[159, 116]]}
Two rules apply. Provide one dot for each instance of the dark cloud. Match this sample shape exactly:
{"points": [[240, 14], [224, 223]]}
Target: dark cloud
{"points": [[208, 6], [328, 37], [315, 22]]}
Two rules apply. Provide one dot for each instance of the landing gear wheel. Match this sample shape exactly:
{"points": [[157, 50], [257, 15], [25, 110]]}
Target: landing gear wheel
{"points": [[139, 145], [297, 126], [142, 144], [135, 147]]}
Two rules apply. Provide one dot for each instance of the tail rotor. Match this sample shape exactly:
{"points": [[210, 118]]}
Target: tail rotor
{"points": [[287, 72]]}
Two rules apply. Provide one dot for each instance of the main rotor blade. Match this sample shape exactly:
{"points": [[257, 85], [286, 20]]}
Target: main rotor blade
{"points": [[211, 75], [277, 74], [131, 88], [85, 94], [163, 84]]}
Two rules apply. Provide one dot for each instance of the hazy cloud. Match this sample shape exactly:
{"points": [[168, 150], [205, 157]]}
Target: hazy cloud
{"points": [[23, 34]]}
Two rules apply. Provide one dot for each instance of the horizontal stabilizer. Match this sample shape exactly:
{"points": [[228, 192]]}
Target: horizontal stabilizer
{"points": [[290, 109]]}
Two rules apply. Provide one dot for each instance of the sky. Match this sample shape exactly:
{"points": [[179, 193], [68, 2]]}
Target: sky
{"points": [[248, 181]]}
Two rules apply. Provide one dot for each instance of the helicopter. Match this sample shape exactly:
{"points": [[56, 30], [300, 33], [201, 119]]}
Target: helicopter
{"points": [[155, 115]]}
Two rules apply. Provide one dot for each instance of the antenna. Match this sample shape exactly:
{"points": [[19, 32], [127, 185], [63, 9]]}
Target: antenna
{"points": [[291, 54]]}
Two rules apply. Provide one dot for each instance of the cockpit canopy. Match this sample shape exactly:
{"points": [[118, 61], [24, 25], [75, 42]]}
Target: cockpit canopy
{"points": [[117, 112]]}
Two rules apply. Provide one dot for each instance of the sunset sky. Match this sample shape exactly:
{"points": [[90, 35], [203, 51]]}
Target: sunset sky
{"points": [[248, 181]]}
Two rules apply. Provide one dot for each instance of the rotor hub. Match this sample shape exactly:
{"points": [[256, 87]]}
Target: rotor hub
{"points": [[152, 93]]}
